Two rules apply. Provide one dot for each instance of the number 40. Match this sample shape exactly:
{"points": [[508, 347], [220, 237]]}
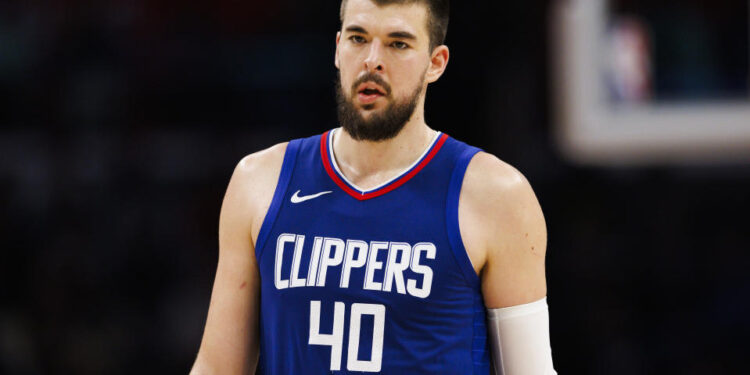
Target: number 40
{"points": [[336, 339]]}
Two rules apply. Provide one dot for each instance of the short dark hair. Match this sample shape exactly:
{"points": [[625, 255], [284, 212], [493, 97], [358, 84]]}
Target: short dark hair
{"points": [[437, 16]]}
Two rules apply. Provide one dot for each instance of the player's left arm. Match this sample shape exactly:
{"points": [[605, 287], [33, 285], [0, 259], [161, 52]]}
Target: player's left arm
{"points": [[505, 234]]}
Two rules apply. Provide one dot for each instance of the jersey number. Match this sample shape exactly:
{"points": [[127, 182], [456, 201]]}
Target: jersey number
{"points": [[336, 339]]}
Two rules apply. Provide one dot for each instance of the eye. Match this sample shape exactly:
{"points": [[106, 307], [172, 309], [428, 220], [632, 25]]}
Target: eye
{"points": [[399, 45], [357, 39]]}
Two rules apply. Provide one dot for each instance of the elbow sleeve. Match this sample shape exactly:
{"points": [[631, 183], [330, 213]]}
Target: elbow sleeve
{"points": [[519, 339]]}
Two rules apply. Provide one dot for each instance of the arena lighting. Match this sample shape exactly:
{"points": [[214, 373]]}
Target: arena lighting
{"points": [[592, 129]]}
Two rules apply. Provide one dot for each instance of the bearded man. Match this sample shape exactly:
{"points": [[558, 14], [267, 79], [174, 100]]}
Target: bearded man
{"points": [[382, 246]]}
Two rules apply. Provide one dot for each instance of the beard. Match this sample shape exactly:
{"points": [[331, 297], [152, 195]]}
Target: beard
{"points": [[379, 126]]}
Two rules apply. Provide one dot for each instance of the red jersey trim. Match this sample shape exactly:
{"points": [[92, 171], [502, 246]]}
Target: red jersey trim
{"points": [[385, 189]]}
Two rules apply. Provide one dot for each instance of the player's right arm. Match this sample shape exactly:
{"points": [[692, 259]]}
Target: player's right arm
{"points": [[230, 342]]}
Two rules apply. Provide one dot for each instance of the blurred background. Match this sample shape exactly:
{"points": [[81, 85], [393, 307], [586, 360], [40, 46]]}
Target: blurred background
{"points": [[121, 123]]}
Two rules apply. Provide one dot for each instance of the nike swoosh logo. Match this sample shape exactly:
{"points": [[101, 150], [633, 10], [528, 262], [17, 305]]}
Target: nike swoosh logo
{"points": [[297, 199]]}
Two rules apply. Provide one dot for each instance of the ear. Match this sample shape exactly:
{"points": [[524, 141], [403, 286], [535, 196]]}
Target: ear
{"points": [[336, 58], [438, 63]]}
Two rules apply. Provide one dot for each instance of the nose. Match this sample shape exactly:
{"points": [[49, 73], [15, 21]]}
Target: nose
{"points": [[374, 60]]}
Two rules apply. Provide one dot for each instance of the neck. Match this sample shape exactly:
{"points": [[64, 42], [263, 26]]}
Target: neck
{"points": [[368, 164]]}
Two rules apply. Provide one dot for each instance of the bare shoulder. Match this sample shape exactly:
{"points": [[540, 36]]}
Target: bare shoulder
{"points": [[252, 185], [263, 163], [503, 228], [230, 339], [498, 208], [487, 176]]}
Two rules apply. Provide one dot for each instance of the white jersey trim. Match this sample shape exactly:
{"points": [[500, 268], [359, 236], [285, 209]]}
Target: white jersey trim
{"points": [[401, 174]]}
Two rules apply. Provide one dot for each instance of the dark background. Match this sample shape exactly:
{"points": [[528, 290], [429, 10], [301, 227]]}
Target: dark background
{"points": [[121, 122]]}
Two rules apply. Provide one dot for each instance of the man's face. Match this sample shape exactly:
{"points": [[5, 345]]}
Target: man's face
{"points": [[382, 54]]}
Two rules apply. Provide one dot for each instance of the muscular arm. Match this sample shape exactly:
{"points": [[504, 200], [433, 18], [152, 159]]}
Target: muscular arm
{"points": [[504, 232], [505, 235], [230, 338]]}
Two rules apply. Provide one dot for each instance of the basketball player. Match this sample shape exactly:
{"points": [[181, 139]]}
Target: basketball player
{"points": [[383, 246]]}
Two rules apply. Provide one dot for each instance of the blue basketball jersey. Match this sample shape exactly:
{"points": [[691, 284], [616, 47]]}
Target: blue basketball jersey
{"points": [[373, 281]]}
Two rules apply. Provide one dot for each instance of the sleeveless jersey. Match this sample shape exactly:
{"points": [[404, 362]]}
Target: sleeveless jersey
{"points": [[373, 281]]}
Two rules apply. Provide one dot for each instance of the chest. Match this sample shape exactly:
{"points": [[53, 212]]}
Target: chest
{"points": [[395, 244]]}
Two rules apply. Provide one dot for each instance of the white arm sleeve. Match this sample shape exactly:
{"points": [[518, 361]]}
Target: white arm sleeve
{"points": [[519, 338]]}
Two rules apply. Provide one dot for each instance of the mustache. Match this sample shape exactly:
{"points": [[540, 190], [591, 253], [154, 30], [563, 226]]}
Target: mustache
{"points": [[372, 77]]}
